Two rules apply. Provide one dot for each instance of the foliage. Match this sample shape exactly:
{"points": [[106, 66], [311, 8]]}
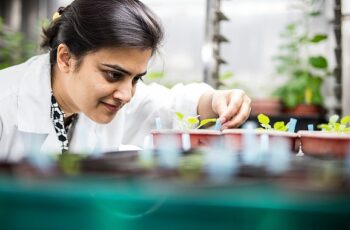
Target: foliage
{"points": [[192, 122], [226, 80], [153, 76], [343, 126], [265, 124], [13, 48], [305, 72], [160, 78]]}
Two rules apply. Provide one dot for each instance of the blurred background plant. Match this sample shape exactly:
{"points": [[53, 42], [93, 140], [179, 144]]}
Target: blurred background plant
{"points": [[13, 47], [304, 70], [227, 80]]}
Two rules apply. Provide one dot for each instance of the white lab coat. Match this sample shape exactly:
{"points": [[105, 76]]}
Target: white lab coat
{"points": [[25, 107]]}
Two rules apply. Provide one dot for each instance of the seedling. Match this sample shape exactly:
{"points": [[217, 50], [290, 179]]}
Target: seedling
{"points": [[265, 124], [334, 126], [192, 122]]}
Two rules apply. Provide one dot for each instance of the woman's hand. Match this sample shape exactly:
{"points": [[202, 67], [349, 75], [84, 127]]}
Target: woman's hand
{"points": [[231, 106]]}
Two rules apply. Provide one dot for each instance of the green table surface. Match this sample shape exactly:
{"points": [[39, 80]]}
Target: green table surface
{"points": [[110, 203]]}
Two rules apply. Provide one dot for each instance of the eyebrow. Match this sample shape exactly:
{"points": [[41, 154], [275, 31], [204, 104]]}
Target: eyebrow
{"points": [[120, 69]]}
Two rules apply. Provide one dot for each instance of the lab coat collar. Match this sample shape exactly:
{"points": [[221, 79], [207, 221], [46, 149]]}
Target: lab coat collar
{"points": [[34, 104]]}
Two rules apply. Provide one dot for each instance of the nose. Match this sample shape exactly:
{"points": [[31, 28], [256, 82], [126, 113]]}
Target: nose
{"points": [[124, 91]]}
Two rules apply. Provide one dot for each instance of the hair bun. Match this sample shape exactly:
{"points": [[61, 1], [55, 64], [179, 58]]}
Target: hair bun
{"points": [[62, 9]]}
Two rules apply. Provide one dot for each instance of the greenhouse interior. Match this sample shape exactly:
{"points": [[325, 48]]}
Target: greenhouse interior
{"points": [[154, 114]]}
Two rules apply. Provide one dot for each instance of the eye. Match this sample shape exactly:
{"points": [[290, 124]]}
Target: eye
{"points": [[136, 79], [114, 76]]}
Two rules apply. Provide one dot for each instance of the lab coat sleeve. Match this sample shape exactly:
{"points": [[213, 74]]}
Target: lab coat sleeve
{"points": [[180, 98], [163, 102], [152, 101], [185, 98]]}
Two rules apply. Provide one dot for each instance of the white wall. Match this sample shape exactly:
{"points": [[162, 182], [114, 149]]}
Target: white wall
{"points": [[346, 61], [183, 21]]}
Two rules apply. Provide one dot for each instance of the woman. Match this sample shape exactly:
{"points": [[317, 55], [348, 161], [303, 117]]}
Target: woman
{"points": [[86, 92]]}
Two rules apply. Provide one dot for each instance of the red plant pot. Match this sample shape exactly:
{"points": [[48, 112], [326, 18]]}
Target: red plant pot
{"points": [[204, 137], [320, 143], [234, 138], [270, 107], [305, 110], [199, 137]]}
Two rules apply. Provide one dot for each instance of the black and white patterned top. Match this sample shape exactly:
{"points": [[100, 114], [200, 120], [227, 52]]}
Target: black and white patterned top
{"points": [[64, 132]]}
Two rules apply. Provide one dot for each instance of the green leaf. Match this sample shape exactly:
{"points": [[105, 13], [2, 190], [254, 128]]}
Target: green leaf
{"points": [[280, 126], [324, 127], [225, 76], [346, 130], [333, 119], [303, 38], [345, 120], [318, 38], [341, 127], [292, 98], [192, 120], [180, 116], [291, 27], [263, 119], [319, 62], [336, 127], [206, 121], [315, 13], [155, 75]]}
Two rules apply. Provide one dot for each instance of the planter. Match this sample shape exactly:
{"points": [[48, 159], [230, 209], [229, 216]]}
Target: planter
{"points": [[305, 110], [270, 107], [234, 138], [320, 143], [198, 137]]}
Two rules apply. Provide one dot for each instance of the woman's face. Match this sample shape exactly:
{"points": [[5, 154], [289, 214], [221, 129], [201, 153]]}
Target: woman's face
{"points": [[106, 80]]}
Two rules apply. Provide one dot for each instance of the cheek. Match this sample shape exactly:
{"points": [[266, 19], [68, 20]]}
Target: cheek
{"points": [[133, 91], [88, 92]]}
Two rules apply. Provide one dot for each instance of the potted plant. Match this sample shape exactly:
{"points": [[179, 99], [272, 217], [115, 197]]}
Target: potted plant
{"points": [[234, 137], [332, 140], [190, 126], [305, 71]]}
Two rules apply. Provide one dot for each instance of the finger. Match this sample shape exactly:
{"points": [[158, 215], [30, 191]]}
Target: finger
{"points": [[220, 106], [241, 116], [235, 99]]}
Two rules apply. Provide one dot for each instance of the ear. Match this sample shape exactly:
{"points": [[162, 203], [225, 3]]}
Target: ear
{"points": [[64, 58]]}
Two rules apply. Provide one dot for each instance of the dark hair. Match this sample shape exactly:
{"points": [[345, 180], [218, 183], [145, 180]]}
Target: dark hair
{"points": [[89, 25]]}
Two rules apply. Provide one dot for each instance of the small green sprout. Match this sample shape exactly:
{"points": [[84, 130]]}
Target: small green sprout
{"points": [[192, 122], [334, 126], [265, 124]]}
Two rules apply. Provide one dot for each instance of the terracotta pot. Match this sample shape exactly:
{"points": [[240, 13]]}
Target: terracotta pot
{"points": [[320, 143], [270, 107], [234, 138], [199, 137], [305, 110]]}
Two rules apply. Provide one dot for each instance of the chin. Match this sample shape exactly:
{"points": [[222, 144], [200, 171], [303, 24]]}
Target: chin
{"points": [[103, 119]]}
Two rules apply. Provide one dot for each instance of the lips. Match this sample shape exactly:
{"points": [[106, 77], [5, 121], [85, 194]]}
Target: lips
{"points": [[110, 107]]}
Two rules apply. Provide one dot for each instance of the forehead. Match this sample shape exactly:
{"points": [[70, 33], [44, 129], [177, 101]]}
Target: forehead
{"points": [[135, 60]]}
